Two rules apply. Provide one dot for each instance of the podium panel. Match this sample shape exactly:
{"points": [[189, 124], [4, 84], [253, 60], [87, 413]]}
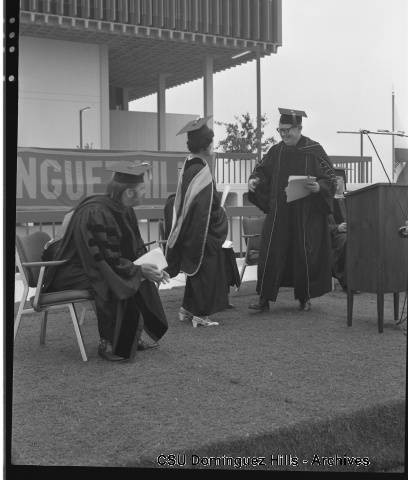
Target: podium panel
{"points": [[376, 258]]}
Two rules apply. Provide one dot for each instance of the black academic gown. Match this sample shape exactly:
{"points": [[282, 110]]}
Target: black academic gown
{"points": [[295, 246], [338, 242], [198, 249], [101, 242], [230, 262]]}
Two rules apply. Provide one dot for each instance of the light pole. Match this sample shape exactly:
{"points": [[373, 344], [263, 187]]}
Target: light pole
{"points": [[80, 124]]}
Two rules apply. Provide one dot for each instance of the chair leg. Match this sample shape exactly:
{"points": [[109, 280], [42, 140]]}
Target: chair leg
{"points": [[77, 331], [43, 327], [241, 276], [20, 311]]}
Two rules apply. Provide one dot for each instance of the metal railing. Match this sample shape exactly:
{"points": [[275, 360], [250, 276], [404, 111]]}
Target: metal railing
{"points": [[358, 169], [233, 168], [148, 218], [247, 19]]}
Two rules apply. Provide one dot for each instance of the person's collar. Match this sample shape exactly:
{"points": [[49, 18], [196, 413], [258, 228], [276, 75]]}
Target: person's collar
{"points": [[300, 143]]}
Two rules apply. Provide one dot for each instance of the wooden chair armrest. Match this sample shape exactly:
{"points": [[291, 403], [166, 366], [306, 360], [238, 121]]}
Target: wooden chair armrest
{"points": [[252, 235], [161, 241], [51, 263]]}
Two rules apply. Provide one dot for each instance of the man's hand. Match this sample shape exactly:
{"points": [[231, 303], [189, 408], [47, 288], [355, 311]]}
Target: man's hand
{"points": [[151, 272], [166, 277], [252, 183], [342, 227], [314, 187]]}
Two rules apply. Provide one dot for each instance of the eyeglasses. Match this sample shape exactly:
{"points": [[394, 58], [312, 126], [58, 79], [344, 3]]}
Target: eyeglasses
{"points": [[285, 131]]}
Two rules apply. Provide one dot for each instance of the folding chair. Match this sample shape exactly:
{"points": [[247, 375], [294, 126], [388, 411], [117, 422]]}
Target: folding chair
{"points": [[31, 267], [252, 229]]}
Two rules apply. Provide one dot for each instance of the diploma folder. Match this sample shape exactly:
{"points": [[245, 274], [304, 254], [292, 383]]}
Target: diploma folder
{"points": [[154, 257], [296, 188]]}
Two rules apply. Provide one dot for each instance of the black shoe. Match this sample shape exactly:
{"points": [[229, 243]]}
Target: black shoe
{"points": [[142, 345], [305, 305], [105, 351], [260, 306], [230, 305]]}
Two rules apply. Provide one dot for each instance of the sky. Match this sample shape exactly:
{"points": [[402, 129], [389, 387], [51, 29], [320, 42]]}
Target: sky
{"points": [[340, 61]]}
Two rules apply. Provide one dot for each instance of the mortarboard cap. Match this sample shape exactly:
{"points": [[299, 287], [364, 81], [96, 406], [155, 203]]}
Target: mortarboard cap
{"points": [[194, 125], [129, 172], [294, 117]]}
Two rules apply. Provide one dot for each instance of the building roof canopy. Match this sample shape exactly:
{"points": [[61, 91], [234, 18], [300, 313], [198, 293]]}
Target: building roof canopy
{"points": [[140, 52]]}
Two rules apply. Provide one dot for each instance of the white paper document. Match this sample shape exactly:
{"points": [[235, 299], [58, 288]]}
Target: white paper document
{"points": [[154, 257], [296, 187], [227, 244], [225, 194]]}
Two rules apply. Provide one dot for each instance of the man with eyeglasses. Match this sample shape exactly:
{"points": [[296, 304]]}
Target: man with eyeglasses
{"points": [[295, 245]]}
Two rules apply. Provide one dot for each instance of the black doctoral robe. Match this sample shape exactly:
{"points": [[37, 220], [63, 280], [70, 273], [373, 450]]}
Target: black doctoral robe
{"points": [[101, 242], [295, 246], [338, 242], [195, 242]]}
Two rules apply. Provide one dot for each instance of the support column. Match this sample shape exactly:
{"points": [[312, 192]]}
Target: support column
{"points": [[161, 112], [104, 102], [208, 70], [392, 136], [258, 106]]}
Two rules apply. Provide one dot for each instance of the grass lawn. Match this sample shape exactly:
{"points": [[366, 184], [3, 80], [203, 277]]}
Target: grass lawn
{"points": [[278, 383]]}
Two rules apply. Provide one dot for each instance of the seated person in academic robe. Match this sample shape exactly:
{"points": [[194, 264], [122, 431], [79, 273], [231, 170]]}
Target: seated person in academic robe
{"points": [[101, 242], [338, 234], [295, 242], [199, 229]]}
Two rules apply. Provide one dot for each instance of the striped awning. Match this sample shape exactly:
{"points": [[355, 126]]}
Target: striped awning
{"points": [[151, 37]]}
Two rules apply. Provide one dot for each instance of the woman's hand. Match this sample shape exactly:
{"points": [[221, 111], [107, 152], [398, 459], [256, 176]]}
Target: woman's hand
{"points": [[252, 183], [313, 186], [151, 272], [342, 227]]}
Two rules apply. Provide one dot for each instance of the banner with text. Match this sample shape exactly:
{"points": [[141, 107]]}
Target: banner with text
{"points": [[59, 178]]}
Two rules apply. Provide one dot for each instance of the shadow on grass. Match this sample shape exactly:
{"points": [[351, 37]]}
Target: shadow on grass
{"points": [[370, 440]]}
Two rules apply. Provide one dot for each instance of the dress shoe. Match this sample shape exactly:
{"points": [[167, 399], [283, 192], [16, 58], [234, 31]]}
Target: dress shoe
{"points": [[230, 305], [184, 315], [203, 322], [305, 305], [260, 306], [105, 351], [142, 345]]}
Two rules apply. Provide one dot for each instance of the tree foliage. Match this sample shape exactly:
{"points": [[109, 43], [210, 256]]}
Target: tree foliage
{"points": [[241, 135]]}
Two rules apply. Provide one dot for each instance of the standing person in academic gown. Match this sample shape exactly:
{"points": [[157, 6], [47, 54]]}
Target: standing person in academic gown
{"points": [[229, 260], [295, 245], [199, 229], [101, 242]]}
